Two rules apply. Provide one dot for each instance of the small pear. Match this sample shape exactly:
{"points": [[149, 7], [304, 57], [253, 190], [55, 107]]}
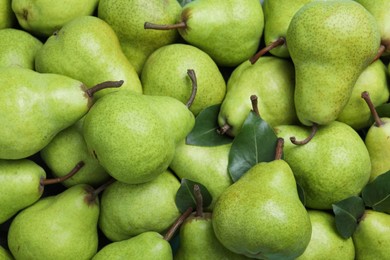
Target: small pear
{"points": [[372, 236], [7, 16]]}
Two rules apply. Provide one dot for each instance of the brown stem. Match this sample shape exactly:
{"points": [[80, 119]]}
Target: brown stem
{"points": [[177, 224], [103, 85], [381, 50], [192, 75], [78, 166], [154, 26], [279, 148], [199, 201], [254, 101], [278, 42], [366, 97], [314, 129], [95, 192], [223, 129]]}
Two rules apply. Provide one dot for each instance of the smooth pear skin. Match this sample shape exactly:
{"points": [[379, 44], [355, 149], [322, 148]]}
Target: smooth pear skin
{"points": [[136, 42], [57, 227], [325, 166], [87, 49], [147, 245], [213, 27], [5, 254], [18, 48], [325, 242], [261, 216], [372, 236], [330, 44], [20, 186]]}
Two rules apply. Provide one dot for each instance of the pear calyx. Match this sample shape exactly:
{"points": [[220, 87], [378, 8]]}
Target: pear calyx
{"points": [[366, 96], [314, 129], [278, 42], [223, 129], [148, 25], [171, 231], [192, 75], [44, 182]]}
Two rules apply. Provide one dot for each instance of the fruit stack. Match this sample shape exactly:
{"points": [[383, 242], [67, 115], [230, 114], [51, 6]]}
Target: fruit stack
{"points": [[203, 129]]}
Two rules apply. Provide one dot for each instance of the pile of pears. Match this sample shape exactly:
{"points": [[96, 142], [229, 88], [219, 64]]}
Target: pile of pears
{"points": [[100, 101]]}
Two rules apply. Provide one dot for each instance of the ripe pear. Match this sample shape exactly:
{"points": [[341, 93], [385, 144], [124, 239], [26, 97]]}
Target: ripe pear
{"points": [[44, 17], [165, 74], [7, 16], [18, 48], [147, 245], [374, 80], [330, 44], [62, 226], [127, 19], [5, 254], [87, 49], [325, 242], [128, 210], [213, 27], [372, 236], [325, 166], [133, 136], [261, 215], [271, 79]]}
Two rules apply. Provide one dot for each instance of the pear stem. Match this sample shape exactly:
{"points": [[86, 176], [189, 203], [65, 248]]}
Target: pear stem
{"points": [[91, 197], [199, 201], [278, 42], [314, 129], [254, 101], [223, 129], [154, 26], [279, 148], [103, 85], [78, 166], [177, 224], [381, 50], [192, 75], [366, 96]]}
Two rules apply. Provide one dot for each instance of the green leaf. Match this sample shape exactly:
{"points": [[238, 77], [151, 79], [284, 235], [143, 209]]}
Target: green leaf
{"points": [[347, 214], [204, 132], [185, 196], [383, 110], [256, 142], [376, 194]]}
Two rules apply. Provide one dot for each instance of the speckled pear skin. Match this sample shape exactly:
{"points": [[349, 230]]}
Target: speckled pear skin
{"points": [[261, 216], [325, 166], [330, 43], [372, 236], [34, 107], [136, 42], [148, 245], [277, 17], [380, 9], [325, 242], [213, 26]]}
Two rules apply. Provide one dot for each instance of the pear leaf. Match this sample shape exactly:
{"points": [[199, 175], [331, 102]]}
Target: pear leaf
{"points": [[347, 214], [205, 132], [383, 110], [255, 143], [376, 194], [185, 196]]}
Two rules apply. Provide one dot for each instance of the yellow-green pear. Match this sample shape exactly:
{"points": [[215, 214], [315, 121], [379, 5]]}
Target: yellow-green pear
{"points": [[330, 44], [7, 16], [5, 254]]}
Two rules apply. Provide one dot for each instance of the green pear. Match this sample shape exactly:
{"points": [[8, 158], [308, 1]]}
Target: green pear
{"points": [[35, 107], [44, 17], [165, 74], [18, 48], [66, 149], [325, 242], [130, 135], [62, 226], [374, 80], [277, 17], [87, 49], [5, 254], [128, 210], [372, 236], [138, 43], [147, 245], [381, 11], [207, 165], [261, 215], [330, 44], [271, 79], [325, 166], [213, 27], [7, 16]]}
